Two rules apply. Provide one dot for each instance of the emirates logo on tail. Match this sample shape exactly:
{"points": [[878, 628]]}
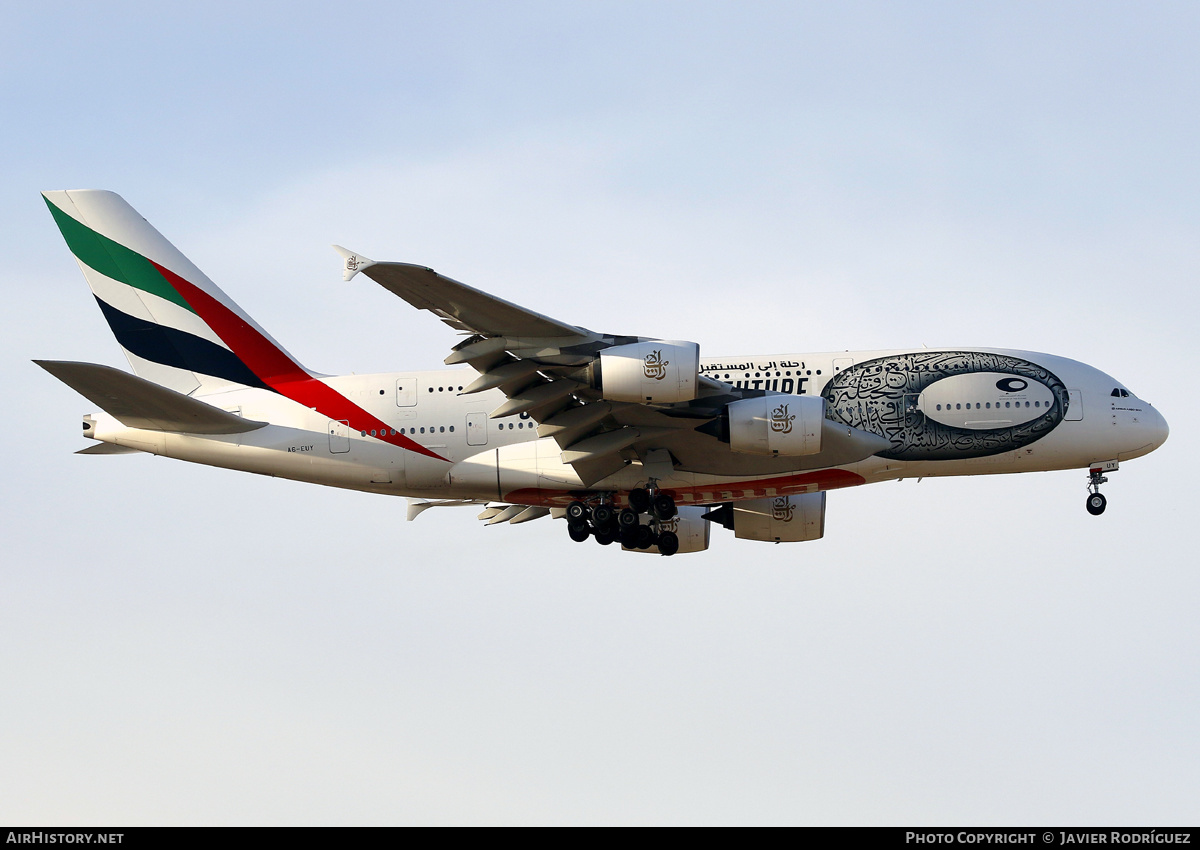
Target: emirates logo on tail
{"points": [[782, 509], [781, 420], [656, 367]]}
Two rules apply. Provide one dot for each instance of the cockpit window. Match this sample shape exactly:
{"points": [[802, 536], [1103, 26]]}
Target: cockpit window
{"points": [[1120, 393]]}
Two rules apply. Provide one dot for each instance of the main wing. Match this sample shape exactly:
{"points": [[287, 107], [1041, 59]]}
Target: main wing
{"points": [[602, 418]]}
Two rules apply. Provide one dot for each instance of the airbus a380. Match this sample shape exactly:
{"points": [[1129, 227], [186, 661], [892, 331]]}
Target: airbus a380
{"points": [[629, 439]]}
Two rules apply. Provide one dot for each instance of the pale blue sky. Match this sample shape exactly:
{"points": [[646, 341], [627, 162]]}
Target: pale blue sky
{"points": [[188, 645]]}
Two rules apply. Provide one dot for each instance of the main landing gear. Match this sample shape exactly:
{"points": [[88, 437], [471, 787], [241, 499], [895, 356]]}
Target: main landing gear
{"points": [[1096, 503], [602, 521]]}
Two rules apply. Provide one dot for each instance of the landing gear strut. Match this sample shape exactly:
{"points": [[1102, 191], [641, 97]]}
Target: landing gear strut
{"points": [[1096, 503]]}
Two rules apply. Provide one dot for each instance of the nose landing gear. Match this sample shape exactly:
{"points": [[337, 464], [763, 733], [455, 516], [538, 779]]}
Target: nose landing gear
{"points": [[1096, 503]]}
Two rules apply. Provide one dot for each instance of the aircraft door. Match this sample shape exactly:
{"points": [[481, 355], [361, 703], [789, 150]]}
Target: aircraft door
{"points": [[476, 429], [1075, 408], [406, 392], [339, 436]]}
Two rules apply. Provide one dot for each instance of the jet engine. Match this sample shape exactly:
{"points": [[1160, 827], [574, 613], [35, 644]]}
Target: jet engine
{"points": [[784, 519], [788, 425], [658, 371]]}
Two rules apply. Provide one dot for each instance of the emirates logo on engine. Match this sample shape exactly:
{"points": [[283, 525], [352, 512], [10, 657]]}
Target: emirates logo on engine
{"points": [[781, 420], [782, 509], [671, 525], [656, 367]]}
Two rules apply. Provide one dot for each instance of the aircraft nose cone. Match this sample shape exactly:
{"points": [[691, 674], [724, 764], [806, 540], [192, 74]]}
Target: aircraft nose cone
{"points": [[1157, 426]]}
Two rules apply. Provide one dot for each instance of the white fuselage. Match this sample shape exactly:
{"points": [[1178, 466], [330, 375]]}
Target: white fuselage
{"points": [[503, 459]]}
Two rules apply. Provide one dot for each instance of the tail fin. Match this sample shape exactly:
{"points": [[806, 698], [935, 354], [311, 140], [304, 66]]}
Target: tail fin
{"points": [[176, 327]]}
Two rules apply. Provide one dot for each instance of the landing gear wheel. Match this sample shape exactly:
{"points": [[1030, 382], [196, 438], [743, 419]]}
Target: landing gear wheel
{"points": [[664, 507], [1096, 503], [629, 536], [579, 531], [577, 511], [639, 500], [603, 516], [605, 536], [627, 518], [668, 543], [645, 537]]}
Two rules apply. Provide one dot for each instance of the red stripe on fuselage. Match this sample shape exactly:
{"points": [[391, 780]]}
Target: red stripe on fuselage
{"points": [[280, 372], [710, 494]]}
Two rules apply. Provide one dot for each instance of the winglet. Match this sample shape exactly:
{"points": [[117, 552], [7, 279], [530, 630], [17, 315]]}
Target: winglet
{"points": [[352, 263]]}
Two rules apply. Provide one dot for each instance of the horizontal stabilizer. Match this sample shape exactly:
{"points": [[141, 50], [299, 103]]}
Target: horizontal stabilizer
{"points": [[108, 449], [138, 403]]}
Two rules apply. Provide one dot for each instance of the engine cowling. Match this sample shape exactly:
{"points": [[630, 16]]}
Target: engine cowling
{"points": [[784, 519], [788, 425], [688, 525], [659, 371]]}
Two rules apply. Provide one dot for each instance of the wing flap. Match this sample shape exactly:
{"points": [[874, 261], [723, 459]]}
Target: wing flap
{"points": [[138, 403]]}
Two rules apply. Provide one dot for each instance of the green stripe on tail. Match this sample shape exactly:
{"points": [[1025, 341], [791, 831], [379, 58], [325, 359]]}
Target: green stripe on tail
{"points": [[113, 259]]}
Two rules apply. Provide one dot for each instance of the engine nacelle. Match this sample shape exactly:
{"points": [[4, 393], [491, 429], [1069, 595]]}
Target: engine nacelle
{"points": [[784, 519], [661, 371], [688, 525], [787, 425]]}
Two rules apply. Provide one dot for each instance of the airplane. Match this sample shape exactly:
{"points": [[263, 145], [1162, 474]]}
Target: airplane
{"points": [[629, 439]]}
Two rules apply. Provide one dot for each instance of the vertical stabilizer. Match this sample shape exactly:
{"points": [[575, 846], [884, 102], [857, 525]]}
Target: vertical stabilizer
{"points": [[177, 328]]}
